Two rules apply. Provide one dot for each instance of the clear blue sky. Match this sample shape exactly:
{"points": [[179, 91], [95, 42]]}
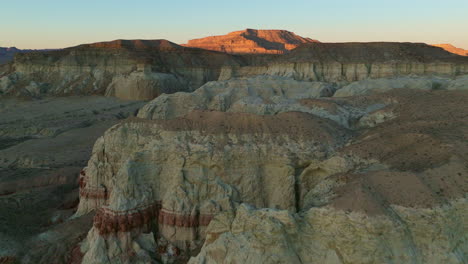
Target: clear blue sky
{"points": [[63, 23]]}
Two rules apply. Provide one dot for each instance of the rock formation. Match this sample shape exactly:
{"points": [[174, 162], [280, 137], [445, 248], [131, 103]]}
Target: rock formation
{"points": [[179, 191], [128, 69], [160, 180], [262, 95], [144, 69], [369, 86], [348, 62], [452, 49], [252, 41], [329, 153]]}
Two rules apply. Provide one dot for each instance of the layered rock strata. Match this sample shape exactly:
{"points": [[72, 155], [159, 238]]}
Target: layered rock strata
{"points": [[452, 49], [369, 86], [194, 168], [348, 62], [251, 41], [326, 235], [144, 69], [128, 69], [393, 173]]}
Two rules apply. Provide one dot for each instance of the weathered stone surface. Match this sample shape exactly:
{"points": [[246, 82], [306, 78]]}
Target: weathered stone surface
{"points": [[348, 62], [251, 41], [196, 166], [401, 174], [144, 69], [452, 49], [262, 95], [128, 69], [385, 171], [460, 83], [326, 235], [370, 86]]}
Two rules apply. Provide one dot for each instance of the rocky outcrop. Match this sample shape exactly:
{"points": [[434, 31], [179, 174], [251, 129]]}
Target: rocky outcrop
{"points": [[406, 203], [327, 235], [262, 95], [251, 41], [385, 175], [452, 49], [369, 86], [198, 169], [145, 69], [128, 69], [264, 163], [348, 62]]}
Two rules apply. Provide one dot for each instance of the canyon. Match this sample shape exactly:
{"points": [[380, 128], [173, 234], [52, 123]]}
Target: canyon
{"points": [[255, 147]]}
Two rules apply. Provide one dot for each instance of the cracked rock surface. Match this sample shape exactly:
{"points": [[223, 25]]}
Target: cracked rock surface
{"points": [[212, 183]]}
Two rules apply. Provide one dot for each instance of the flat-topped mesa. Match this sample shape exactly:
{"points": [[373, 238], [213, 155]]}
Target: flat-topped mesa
{"points": [[348, 62], [452, 49], [144, 69], [252, 41], [136, 44], [369, 52], [127, 69]]}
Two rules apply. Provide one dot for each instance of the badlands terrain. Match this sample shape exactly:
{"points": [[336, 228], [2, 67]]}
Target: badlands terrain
{"points": [[260, 146]]}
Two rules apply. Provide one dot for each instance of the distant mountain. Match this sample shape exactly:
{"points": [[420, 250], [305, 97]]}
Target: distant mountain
{"points": [[452, 49], [134, 44], [7, 54], [252, 41]]}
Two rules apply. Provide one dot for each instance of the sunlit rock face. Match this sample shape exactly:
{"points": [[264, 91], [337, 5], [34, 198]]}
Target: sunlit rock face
{"points": [[252, 41], [452, 49]]}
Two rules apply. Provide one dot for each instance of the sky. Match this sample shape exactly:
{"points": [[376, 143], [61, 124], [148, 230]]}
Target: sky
{"points": [[39, 24]]}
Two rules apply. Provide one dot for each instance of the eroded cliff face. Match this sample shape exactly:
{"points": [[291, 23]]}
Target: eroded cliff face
{"points": [[334, 153], [452, 49], [138, 70], [145, 69], [251, 41], [186, 170], [326, 235], [348, 62], [332, 171]]}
